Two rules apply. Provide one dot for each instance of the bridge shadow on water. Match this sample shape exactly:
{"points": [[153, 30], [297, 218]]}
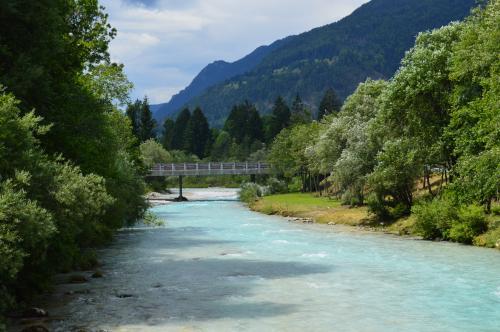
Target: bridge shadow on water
{"points": [[164, 286]]}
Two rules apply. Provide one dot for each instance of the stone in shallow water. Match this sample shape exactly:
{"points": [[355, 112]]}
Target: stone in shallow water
{"points": [[124, 296]]}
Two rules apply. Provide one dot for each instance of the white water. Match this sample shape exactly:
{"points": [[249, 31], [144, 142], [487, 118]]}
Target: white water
{"points": [[218, 267]]}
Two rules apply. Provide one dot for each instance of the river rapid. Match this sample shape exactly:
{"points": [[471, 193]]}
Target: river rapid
{"points": [[216, 266]]}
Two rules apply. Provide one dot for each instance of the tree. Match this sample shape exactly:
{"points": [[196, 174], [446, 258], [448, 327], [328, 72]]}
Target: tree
{"points": [[348, 144], [179, 132], [168, 133], [153, 153], [148, 124], [244, 123], [330, 104], [221, 147], [133, 112], [299, 113], [475, 117], [197, 134], [280, 118]]}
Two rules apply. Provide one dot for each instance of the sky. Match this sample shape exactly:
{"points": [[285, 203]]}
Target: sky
{"points": [[165, 43]]}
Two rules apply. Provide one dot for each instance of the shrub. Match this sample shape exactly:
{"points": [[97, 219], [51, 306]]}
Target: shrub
{"points": [[470, 223], [275, 186], [434, 218], [250, 192], [295, 185], [489, 239]]}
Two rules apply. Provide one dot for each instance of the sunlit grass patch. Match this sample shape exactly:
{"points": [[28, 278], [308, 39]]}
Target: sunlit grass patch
{"points": [[321, 209]]}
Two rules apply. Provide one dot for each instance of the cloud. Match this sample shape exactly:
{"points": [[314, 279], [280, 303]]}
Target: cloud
{"points": [[165, 43]]}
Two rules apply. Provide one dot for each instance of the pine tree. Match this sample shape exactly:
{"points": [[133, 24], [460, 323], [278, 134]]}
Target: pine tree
{"points": [[197, 134], [168, 133], [279, 119], [330, 104], [148, 124], [300, 114], [179, 131], [254, 127], [133, 113]]}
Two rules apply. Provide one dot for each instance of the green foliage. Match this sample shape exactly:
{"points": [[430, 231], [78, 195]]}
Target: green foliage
{"points": [[221, 147], [250, 192], [64, 189], [153, 153], [330, 104], [197, 136], [295, 185], [168, 133], [393, 179], [299, 112], [434, 218], [441, 218], [143, 124], [275, 186], [180, 129], [151, 219], [279, 119]]}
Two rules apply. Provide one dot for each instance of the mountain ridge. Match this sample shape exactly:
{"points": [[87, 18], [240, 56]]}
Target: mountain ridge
{"points": [[370, 42]]}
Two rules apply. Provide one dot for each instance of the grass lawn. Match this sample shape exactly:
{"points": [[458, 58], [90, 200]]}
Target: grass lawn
{"points": [[321, 209]]}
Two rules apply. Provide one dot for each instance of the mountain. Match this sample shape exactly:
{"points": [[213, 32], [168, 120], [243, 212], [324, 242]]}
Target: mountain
{"points": [[368, 43], [214, 73]]}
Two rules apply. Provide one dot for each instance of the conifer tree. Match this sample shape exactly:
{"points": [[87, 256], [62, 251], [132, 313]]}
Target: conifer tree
{"points": [[279, 119], [330, 104], [168, 133], [179, 130], [300, 114], [148, 124], [197, 134]]}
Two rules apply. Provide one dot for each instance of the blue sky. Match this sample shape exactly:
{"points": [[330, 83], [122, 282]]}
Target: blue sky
{"points": [[165, 43]]}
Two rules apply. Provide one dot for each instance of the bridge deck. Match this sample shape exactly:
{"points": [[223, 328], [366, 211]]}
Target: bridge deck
{"points": [[194, 169]]}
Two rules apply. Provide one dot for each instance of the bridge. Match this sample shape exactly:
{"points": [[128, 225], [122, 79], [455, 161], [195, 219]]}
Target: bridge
{"points": [[208, 169]]}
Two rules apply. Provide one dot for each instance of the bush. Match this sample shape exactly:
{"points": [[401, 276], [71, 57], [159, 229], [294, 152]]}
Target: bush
{"points": [[440, 218], [377, 206], [490, 239], [275, 186], [470, 223], [250, 192], [434, 218], [295, 185]]}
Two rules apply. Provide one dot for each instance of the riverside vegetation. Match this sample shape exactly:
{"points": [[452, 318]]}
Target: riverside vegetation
{"points": [[70, 167], [422, 148]]}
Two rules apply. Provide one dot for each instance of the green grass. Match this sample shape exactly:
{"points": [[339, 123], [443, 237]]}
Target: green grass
{"points": [[300, 200], [321, 209]]}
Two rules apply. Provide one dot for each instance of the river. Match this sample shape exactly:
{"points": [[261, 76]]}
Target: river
{"points": [[216, 266]]}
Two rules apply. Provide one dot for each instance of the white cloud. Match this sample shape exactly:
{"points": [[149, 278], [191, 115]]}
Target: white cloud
{"points": [[165, 43]]}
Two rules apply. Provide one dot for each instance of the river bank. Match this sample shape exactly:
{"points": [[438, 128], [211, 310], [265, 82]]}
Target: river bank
{"points": [[323, 210]]}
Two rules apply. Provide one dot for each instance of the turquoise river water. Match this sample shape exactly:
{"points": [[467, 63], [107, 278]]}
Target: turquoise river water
{"points": [[216, 266]]}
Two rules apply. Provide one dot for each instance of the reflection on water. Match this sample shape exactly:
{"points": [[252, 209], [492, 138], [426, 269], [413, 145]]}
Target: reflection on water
{"points": [[218, 267]]}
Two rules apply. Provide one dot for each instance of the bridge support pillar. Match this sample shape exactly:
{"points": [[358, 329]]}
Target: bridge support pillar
{"points": [[180, 198]]}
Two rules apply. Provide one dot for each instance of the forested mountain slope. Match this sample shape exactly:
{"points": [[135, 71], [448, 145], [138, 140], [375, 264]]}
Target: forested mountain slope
{"points": [[215, 73], [368, 43]]}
